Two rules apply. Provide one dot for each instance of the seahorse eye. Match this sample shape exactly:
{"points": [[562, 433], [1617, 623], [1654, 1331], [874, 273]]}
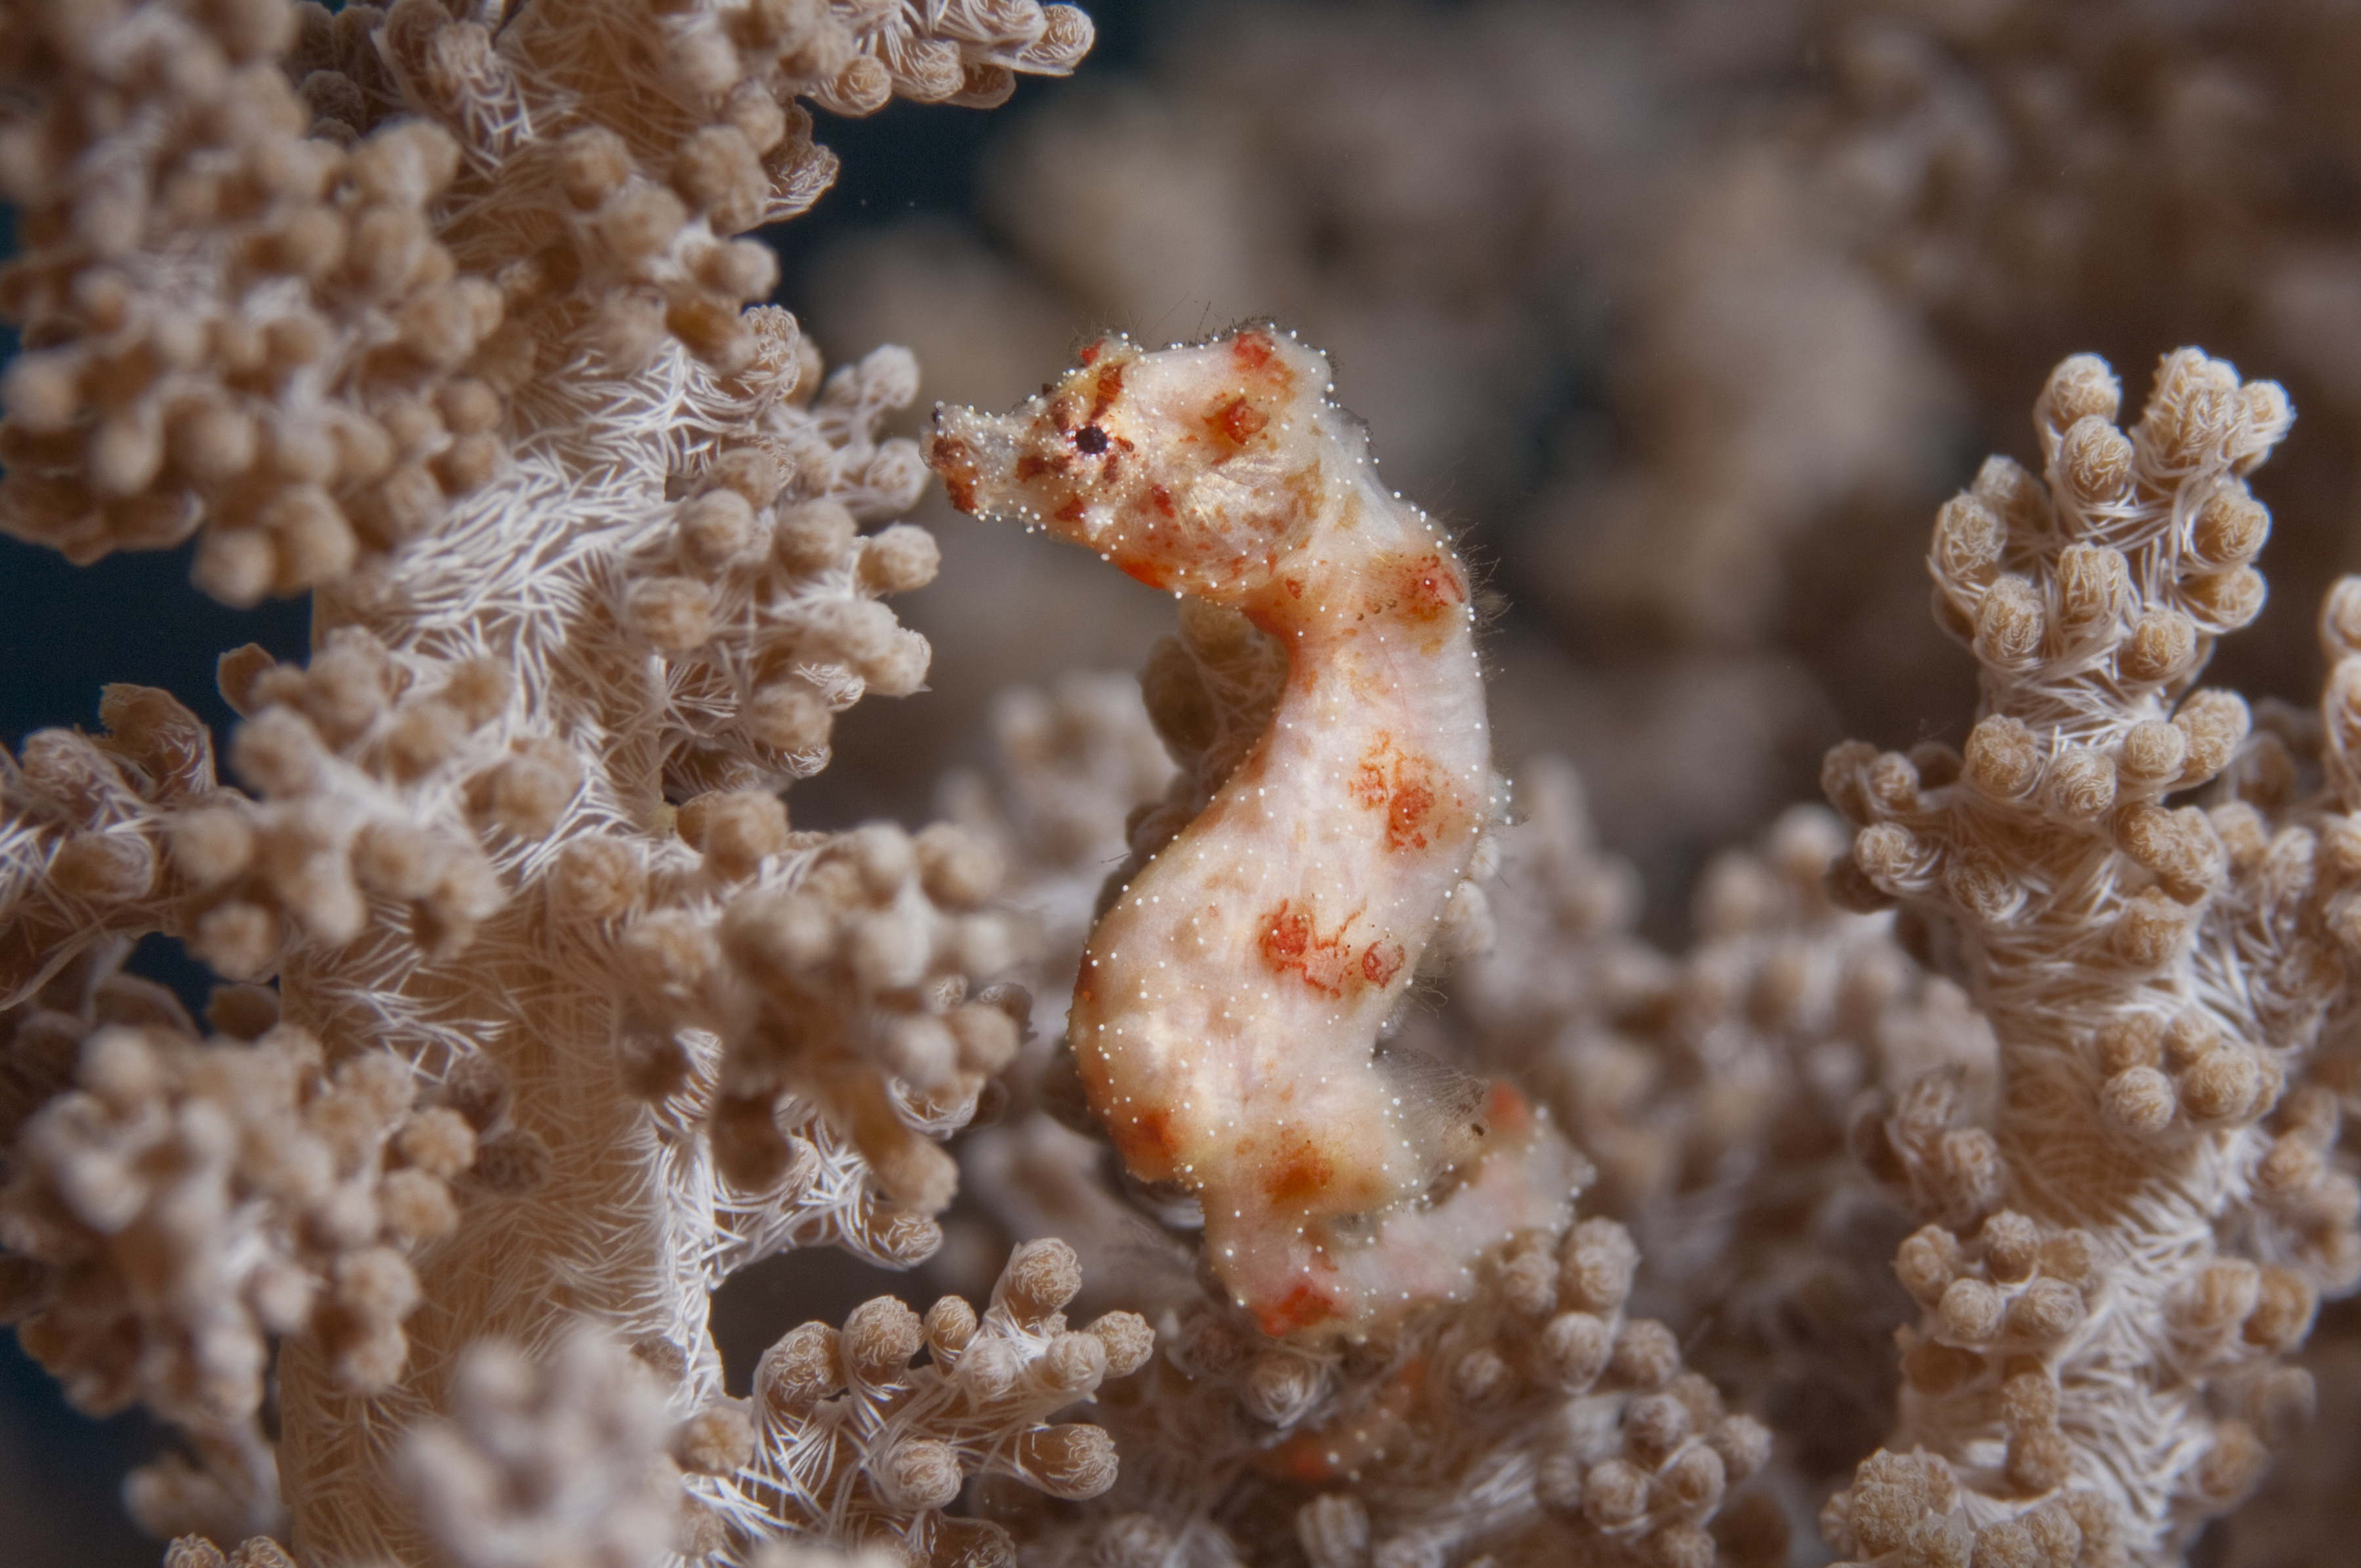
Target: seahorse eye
{"points": [[1090, 439]]}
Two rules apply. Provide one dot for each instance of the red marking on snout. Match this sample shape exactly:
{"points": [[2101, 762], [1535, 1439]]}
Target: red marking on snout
{"points": [[1163, 499], [1382, 960], [1253, 349], [1109, 388], [1294, 588], [956, 463], [1070, 513], [1090, 354]]}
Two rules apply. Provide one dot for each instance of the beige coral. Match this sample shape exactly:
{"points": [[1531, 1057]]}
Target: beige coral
{"points": [[2108, 1275], [856, 1443], [178, 1205], [438, 315]]}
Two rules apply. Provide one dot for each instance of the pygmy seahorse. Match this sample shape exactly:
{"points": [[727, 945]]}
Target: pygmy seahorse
{"points": [[1226, 1016]]}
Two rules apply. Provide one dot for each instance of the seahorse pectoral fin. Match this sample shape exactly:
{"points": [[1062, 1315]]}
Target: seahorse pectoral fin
{"points": [[1443, 1109]]}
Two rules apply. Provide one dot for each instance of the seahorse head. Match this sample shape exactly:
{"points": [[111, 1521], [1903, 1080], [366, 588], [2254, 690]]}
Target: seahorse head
{"points": [[1194, 468]]}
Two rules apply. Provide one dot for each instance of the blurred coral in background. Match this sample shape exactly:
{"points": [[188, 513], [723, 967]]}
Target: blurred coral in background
{"points": [[1965, 1164]]}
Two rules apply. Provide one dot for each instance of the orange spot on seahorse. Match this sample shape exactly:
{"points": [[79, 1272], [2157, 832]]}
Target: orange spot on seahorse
{"points": [[1382, 961], [1300, 1309], [1253, 349], [1434, 586], [1421, 588], [1291, 941], [1148, 1134], [1286, 936], [1406, 815], [1237, 419], [1301, 1169], [1403, 785]]}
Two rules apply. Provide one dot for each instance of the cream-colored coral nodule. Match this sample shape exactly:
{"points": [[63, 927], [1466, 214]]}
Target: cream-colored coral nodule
{"points": [[1226, 1016]]}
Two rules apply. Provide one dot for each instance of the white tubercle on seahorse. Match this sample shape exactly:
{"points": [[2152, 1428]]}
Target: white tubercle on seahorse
{"points": [[1226, 1016]]}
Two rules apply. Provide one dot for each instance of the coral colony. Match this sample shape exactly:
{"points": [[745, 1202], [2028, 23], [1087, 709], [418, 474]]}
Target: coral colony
{"points": [[1324, 1110]]}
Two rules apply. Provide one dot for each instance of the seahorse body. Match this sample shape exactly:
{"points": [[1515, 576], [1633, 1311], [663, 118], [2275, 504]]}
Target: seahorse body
{"points": [[1227, 1015]]}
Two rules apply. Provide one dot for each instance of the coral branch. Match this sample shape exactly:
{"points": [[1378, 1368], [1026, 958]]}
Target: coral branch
{"points": [[2110, 1274], [439, 316]]}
